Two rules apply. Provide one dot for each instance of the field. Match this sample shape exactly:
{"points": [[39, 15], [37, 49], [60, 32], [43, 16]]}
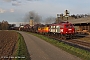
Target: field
{"points": [[8, 40], [12, 46]]}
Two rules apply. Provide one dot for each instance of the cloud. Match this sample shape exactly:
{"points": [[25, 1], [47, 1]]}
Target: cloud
{"points": [[14, 0], [16, 3], [11, 10], [7, 0], [33, 0], [18, 0], [2, 10]]}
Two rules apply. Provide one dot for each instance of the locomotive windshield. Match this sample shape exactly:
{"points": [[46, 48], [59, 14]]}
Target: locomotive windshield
{"points": [[69, 26]]}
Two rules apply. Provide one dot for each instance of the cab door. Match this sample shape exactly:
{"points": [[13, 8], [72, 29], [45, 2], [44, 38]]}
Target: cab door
{"points": [[58, 29]]}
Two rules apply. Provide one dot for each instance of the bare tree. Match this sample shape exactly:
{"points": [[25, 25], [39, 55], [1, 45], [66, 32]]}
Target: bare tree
{"points": [[0, 25], [4, 25]]}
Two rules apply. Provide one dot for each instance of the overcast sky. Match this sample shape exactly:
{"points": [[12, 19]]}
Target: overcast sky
{"points": [[15, 10]]}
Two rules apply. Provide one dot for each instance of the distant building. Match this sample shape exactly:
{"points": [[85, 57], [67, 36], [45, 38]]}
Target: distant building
{"points": [[31, 21], [81, 24], [61, 18]]}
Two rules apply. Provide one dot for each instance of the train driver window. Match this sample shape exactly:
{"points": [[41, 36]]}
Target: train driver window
{"points": [[69, 26], [57, 26]]}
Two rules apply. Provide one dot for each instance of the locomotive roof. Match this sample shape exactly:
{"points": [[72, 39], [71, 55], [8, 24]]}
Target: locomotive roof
{"points": [[81, 20], [62, 23]]}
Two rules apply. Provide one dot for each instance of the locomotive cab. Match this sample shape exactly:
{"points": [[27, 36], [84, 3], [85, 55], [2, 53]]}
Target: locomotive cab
{"points": [[68, 29]]}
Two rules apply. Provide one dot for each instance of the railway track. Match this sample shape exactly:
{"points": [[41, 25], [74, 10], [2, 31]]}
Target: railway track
{"points": [[74, 42], [79, 44]]}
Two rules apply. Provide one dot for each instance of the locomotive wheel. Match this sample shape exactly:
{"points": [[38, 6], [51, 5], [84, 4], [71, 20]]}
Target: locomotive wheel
{"points": [[74, 37], [71, 37], [60, 37], [63, 37]]}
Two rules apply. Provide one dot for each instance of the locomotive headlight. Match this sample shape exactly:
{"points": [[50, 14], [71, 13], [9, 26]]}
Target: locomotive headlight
{"points": [[66, 32], [69, 29]]}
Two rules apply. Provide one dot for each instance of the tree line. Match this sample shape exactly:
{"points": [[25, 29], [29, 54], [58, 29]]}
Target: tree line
{"points": [[4, 25], [80, 16]]}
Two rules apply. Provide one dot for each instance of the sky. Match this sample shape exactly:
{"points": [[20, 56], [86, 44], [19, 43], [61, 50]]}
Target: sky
{"points": [[16, 10]]}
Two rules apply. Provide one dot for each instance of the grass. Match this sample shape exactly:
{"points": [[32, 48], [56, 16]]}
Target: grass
{"points": [[21, 52], [83, 54]]}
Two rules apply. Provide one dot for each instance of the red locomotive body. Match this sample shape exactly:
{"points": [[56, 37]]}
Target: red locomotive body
{"points": [[64, 29], [67, 28]]}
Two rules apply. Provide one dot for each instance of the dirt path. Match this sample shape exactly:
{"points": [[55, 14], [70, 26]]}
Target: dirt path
{"points": [[41, 50]]}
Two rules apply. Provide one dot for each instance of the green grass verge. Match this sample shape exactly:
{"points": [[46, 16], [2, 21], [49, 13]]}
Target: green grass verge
{"points": [[83, 54], [21, 52]]}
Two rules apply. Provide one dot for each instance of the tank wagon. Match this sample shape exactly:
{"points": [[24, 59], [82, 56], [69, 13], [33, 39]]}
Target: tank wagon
{"points": [[44, 29]]}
